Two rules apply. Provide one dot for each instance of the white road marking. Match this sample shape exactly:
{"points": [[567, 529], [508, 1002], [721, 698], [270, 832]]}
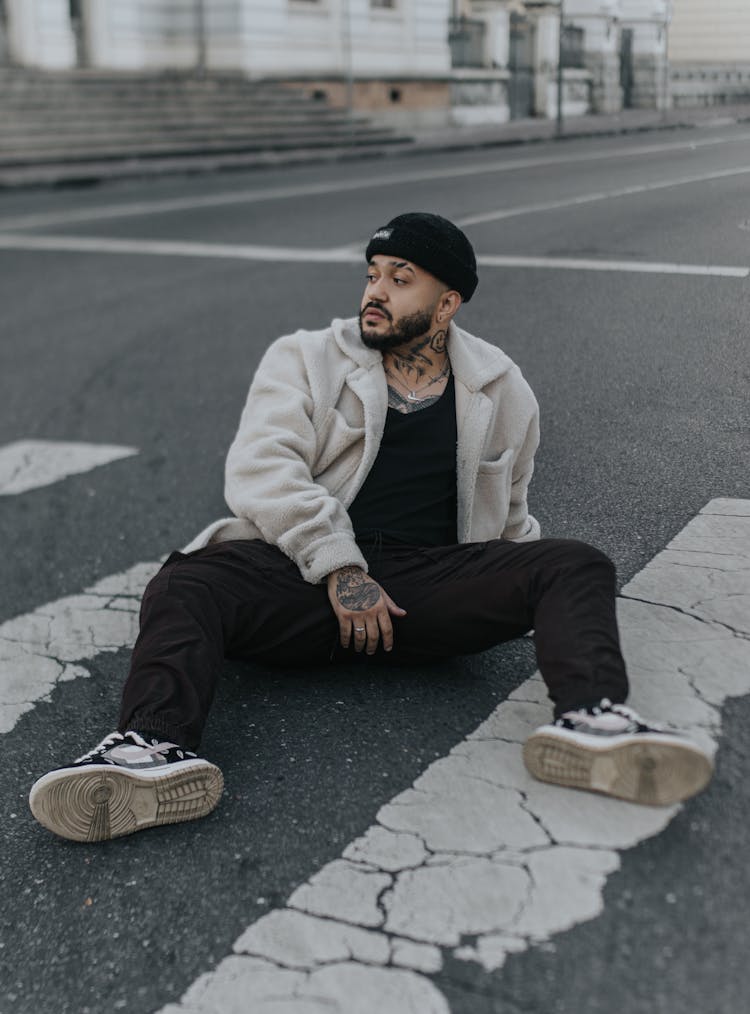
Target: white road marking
{"points": [[338, 255], [477, 849], [590, 264], [31, 464], [43, 648], [136, 209], [599, 195], [178, 248]]}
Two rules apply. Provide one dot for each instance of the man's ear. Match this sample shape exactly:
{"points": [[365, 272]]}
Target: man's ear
{"points": [[448, 305]]}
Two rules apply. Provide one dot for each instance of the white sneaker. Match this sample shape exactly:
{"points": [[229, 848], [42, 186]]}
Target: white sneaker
{"points": [[610, 749], [123, 785]]}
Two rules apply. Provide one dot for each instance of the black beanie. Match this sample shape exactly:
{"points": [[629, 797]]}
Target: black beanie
{"points": [[433, 243]]}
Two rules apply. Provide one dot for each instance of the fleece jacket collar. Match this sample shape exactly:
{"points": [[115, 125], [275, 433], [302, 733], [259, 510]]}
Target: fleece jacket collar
{"points": [[469, 358]]}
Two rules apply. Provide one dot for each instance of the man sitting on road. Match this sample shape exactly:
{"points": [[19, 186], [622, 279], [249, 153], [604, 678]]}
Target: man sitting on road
{"points": [[379, 485]]}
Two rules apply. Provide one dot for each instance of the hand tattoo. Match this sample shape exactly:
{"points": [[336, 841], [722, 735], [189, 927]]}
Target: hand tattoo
{"points": [[355, 590]]}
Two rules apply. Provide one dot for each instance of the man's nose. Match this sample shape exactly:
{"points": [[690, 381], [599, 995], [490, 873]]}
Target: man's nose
{"points": [[376, 290]]}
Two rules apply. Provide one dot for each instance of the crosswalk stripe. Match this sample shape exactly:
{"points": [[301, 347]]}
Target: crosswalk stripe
{"points": [[31, 464], [477, 849]]}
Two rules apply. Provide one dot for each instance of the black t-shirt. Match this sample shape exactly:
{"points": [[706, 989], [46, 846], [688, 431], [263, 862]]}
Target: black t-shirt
{"points": [[410, 493]]}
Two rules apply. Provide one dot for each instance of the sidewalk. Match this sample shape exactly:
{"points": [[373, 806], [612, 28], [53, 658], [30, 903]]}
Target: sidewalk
{"points": [[629, 121], [516, 132]]}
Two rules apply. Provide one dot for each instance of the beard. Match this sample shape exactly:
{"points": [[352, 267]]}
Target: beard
{"points": [[402, 331]]}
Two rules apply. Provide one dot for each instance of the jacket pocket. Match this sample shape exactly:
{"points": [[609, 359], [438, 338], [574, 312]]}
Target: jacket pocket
{"points": [[337, 440], [492, 496], [497, 465]]}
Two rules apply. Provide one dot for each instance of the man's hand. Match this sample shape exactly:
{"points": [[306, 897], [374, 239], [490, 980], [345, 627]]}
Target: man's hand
{"points": [[363, 609]]}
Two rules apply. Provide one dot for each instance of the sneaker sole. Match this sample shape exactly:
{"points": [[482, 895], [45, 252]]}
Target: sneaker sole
{"points": [[96, 804], [652, 770]]}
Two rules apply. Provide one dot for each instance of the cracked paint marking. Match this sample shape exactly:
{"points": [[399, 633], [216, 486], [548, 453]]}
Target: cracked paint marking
{"points": [[40, 649], [31, 464], [477, 859]]}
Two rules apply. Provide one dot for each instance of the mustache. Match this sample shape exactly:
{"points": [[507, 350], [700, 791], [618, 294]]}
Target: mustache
{"points": [[375, 306]]}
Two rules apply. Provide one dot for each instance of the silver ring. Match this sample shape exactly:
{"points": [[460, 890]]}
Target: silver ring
{"points": [[359, 630]]}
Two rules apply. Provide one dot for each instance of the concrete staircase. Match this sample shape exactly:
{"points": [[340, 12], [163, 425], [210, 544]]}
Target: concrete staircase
{"points": [[82, 124]]}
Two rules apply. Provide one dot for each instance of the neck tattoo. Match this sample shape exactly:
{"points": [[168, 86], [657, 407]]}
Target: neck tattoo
{"points": [[413, 391]]}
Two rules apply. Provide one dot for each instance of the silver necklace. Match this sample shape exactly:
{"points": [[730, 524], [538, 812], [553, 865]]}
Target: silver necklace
{"points": [[412, 392]]}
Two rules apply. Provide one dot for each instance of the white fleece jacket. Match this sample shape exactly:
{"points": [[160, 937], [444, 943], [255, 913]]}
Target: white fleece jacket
{"points": [[310, 433]]}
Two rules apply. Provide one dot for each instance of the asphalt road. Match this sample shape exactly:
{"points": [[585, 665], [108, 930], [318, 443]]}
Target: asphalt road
{"points": [[643, 383]]}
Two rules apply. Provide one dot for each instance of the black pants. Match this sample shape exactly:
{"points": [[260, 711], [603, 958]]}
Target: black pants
{"points": [[245, 599]]}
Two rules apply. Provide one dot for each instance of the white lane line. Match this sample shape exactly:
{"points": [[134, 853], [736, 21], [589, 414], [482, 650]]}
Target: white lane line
{"points": [[599, 195], [476, 849], [258, 195], [588, 264], [31, 464], [337, 255], [176, 248], [40, 649]]}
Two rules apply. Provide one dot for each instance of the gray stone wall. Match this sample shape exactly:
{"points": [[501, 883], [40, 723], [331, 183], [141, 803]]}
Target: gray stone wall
{"points": [[649, 84], [606, 92]]}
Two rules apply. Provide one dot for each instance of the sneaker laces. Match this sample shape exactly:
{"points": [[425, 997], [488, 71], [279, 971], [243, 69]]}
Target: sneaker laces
{"points": [[630, 714], [131, 737], [106, 743]]}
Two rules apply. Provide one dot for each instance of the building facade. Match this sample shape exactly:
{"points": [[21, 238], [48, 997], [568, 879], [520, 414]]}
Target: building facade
{"points": [[709, 52], [405, 62]]}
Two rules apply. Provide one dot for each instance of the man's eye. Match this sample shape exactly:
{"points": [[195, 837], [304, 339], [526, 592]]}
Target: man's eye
{"points": [[400, 281]]}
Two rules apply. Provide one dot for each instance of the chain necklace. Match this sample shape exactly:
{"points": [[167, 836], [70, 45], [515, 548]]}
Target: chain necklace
{"points": [[412, 391]]}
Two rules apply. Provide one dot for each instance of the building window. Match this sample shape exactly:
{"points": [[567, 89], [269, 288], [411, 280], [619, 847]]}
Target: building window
{"points": [[572, 47], [388, 5], [466, 41]]}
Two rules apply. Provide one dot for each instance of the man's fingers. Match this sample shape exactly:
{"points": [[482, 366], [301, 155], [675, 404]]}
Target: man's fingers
{"points": [[373, 635], [386, 631], [367, 628], [366, 631], [393, 608], [359, 629]]}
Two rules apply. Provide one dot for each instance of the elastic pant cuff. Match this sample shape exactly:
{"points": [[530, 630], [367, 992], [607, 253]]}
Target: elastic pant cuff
{"points": [[153, 724]]}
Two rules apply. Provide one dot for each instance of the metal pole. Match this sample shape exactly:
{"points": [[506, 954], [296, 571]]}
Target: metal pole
{"points": [[665, 72], [346, 40], [559, 127], [200, 36]]}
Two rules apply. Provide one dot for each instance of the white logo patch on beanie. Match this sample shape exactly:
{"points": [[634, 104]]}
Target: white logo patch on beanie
{"points": [[383, 234]]}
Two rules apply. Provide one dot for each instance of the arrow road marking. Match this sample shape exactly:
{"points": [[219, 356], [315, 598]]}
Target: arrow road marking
{"points": [[336, 255], [31, 464], [476, 859]]}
